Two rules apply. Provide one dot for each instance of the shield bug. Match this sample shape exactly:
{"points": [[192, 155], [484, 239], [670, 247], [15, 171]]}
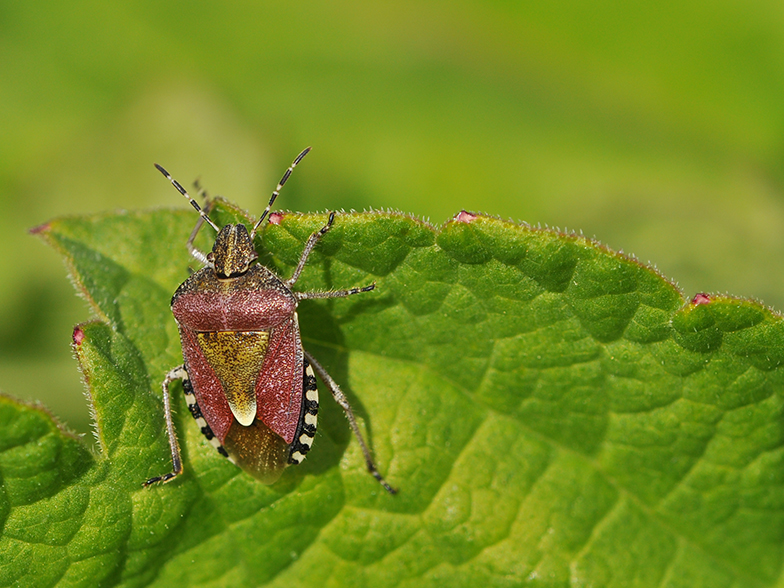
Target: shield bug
{"points": [[248, 381]]}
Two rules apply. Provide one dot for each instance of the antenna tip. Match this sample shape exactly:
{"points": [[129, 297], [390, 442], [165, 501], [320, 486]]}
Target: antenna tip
{"points": [[301, 155]]}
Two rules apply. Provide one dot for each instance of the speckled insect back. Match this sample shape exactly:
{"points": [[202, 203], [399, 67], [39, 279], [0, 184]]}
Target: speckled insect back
{"points": [[248, 382]]}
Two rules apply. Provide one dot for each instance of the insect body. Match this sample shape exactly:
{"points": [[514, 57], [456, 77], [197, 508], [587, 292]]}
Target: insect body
{"points": [[249, 383]]}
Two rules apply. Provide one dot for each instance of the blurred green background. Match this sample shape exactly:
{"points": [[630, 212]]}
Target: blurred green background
{"points": [[658, 128]]}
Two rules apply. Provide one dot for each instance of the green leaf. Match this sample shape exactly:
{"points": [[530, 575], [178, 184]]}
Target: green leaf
{"points": [[552, 412]]}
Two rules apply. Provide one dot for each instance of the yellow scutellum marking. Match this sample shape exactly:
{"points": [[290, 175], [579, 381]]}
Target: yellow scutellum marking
{"points": [[237, 358]]}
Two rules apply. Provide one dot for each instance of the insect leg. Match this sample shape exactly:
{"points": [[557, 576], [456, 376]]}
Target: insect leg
{"points": [[178, 373], [314, 238], [196, 253], [334, 293], [341, 399]]}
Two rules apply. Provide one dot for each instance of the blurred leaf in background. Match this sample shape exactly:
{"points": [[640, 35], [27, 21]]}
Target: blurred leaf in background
{"points": [[655, 127]]}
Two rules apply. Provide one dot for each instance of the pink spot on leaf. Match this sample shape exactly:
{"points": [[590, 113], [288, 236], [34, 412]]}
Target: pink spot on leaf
{"points": [[464, 217], [78, 336], [275, 218], [701, 298]]}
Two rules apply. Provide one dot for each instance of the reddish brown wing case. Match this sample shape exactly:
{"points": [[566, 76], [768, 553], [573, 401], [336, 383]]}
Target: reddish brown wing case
{"points": [[225, 317]]}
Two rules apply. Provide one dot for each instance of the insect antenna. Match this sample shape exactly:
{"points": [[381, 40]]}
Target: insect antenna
{"points": [[184, 192], [277, 191]]}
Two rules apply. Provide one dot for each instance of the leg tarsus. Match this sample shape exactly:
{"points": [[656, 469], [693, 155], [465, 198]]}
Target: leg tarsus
{"points": [[375, 473], [161, 479]]}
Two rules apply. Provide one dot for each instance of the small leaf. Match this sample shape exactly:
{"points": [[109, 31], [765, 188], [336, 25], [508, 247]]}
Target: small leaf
{"points": [[550, 411]]}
